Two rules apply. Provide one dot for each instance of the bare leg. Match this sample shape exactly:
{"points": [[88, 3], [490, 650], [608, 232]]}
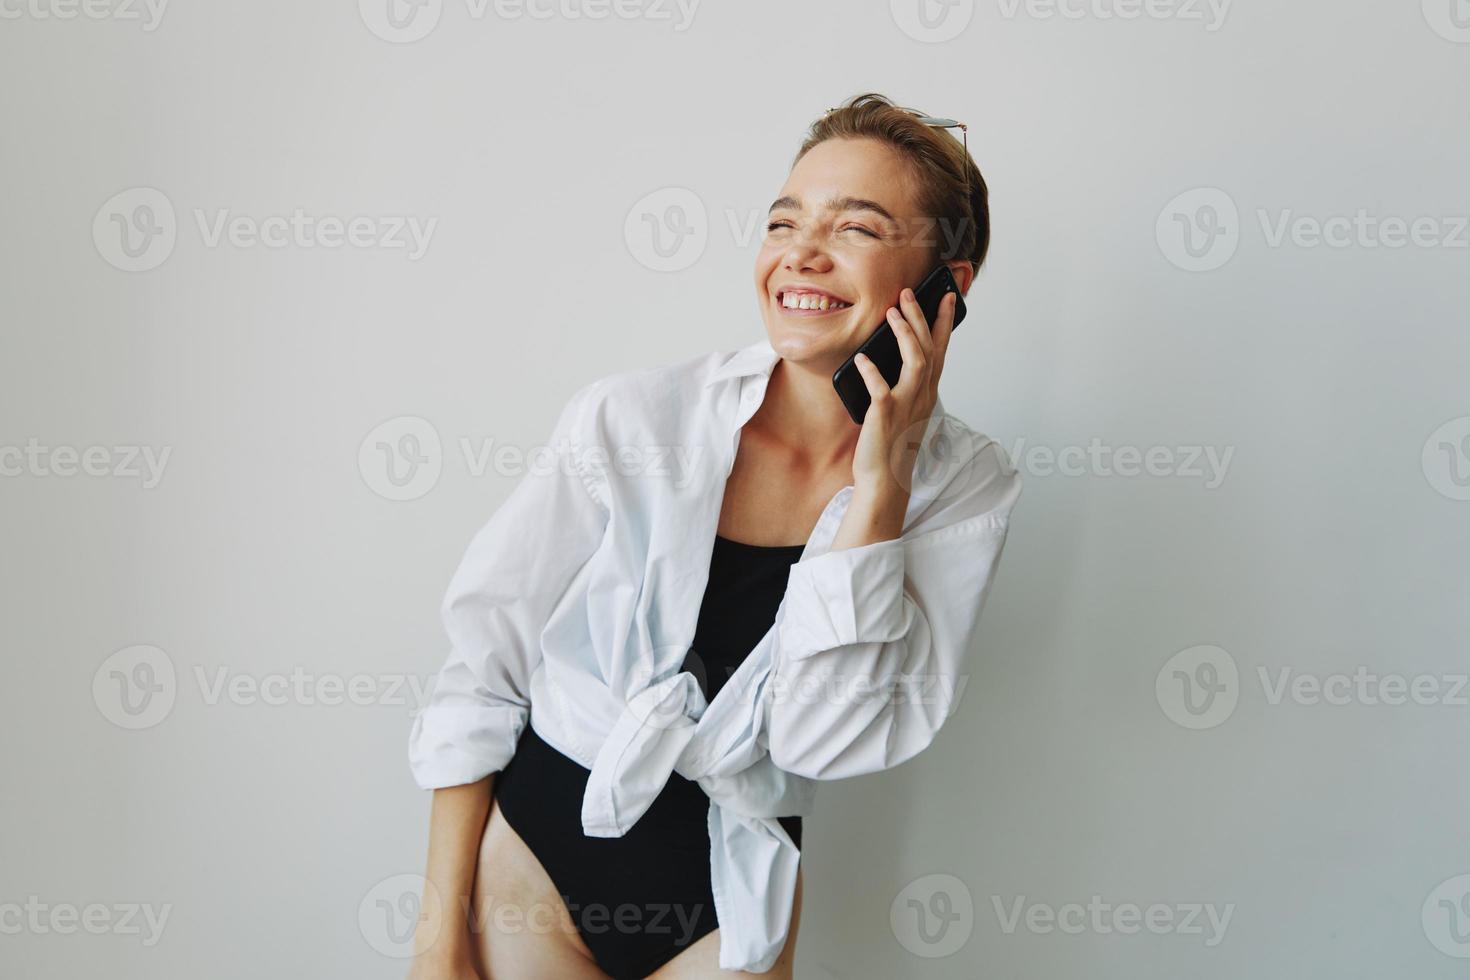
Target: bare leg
{"points": [[521, 924], [701, 961]]}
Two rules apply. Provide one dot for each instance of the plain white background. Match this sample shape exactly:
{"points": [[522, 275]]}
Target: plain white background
{"points": [[590, 194]]}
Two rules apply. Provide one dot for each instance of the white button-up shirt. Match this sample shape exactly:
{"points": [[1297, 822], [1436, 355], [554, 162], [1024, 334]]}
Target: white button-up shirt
{"points": [[575, 606]]}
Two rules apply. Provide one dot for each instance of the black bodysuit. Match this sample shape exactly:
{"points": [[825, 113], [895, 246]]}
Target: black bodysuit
{"points": [[641, 899]]}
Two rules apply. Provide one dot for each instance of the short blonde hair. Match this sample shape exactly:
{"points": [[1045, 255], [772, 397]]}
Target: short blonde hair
{"points": [[940, 166]]}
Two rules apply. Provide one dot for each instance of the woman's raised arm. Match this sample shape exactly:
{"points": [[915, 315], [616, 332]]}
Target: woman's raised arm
{"points": [[869, 659]]}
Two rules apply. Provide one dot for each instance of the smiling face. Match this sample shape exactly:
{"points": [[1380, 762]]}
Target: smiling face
{"points": [[844, 233]]}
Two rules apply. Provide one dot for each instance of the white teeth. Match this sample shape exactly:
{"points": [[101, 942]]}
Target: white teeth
{"points": [[811, 301]]}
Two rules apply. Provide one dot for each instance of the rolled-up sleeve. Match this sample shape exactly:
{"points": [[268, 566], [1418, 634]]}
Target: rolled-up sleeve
{"points": [[512, 576], [870, 650]]}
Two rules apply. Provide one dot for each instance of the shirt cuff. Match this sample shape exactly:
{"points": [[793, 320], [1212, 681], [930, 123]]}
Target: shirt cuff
{"points": [[853, 595], [455, 744]]}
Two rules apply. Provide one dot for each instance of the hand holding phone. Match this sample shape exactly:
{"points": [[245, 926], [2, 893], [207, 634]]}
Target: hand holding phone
{"points": [[882, 347]]}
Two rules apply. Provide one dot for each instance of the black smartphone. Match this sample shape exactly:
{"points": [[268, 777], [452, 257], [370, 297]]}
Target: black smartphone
{"points": [[882, 347]]}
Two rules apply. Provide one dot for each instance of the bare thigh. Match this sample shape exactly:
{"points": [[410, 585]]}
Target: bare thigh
{"points": [[701, 961], [522, 926]]}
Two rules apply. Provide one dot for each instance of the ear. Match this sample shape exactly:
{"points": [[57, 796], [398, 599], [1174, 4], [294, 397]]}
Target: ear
{"points": [[963, 275]]}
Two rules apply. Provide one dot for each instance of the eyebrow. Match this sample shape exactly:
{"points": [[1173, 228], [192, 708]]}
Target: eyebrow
{"points": [[835, 204]]}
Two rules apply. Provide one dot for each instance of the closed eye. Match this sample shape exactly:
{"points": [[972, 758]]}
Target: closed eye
{"points": [[786, 224]]}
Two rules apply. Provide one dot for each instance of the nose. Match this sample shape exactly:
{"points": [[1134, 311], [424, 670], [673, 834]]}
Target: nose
{"points": [[804, 254]]}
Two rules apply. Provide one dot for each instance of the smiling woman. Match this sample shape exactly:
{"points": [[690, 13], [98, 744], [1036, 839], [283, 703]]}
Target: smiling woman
{"points": [[900, 195], [636, 659]]}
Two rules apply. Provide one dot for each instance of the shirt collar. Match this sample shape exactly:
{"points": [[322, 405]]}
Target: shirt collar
{"points": [[760, 358]]}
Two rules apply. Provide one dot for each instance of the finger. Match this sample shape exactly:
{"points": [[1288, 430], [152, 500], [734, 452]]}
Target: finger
{"points": [[878, 390], [915, 364], [914, 313], [944, 321], [943, 330]]}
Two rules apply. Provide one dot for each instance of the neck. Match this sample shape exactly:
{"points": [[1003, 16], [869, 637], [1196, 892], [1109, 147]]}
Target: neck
{"points": [[803, 412]]}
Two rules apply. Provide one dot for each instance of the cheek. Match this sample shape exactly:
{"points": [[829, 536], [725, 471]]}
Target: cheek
{"points": [[874, 278], [866, 269], [765, 261]]}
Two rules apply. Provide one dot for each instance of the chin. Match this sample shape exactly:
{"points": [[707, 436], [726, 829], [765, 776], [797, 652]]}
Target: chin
{"points": [[802, 347]]}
